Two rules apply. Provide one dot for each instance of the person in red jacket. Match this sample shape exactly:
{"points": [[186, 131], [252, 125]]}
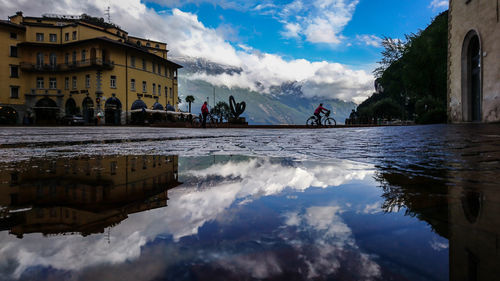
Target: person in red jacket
{"points": [[317, 112], [204, 113]]}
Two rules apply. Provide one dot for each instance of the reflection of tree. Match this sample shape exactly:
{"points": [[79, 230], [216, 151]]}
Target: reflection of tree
{"points": [[422, 195]]}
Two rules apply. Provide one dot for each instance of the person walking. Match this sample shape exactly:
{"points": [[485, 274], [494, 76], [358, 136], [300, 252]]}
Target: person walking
{"points": [[204, 113]]}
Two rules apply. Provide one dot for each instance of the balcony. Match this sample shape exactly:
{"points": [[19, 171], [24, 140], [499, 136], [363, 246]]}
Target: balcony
{"points": [[72, 66]]}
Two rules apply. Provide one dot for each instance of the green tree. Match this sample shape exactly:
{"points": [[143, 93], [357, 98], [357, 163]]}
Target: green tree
{"points": [[412, 74], [221, 110], [189, 100]]}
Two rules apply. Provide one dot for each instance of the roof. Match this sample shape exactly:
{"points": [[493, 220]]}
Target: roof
{"points": [[13, 25]]}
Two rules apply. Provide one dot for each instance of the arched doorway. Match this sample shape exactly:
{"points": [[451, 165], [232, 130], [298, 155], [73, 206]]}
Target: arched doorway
{"points": [[46, 111], [8, 115], [471, 78], [88, 110], [138, 112], [112, 111], [70, 107]]}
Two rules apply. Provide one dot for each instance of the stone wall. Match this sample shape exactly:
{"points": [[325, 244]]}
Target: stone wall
{"points": [[480, 16]]}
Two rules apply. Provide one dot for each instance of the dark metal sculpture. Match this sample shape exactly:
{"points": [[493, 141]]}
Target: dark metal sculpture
{"points": [[236, 108]]}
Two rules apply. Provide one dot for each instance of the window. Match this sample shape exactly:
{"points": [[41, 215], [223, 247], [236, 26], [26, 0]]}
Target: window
{"points": [[166, 91], [159, 69], [112, 81], [52, 83], [84, 55], [13, 51], [144, 86], [154, 89], [53, 59], [39, 83], [53, 37], [74, 57], [39, 37], [132, 85], [74, 35], [154, 67], [74, 82], [132, 61], [14, 71], [157, 46], [14, 92], [66, 59], [171, 93], [87, 81], [144, 66], [66, 36], [112, 167], [13, 35], [159, 89], [148, 45], [66, 83], [39, 59]]}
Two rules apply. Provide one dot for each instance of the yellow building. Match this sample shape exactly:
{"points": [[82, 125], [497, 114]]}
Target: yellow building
{"points": [[55, 66]]}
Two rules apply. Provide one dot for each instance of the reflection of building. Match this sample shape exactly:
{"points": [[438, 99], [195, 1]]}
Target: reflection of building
{"points": [[82, 195], [474, 220], [473, 56], [58, 65]]}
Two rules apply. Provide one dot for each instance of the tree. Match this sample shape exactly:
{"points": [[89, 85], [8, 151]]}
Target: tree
{"points": [[412, 74], [189, 100], [221, 110]]}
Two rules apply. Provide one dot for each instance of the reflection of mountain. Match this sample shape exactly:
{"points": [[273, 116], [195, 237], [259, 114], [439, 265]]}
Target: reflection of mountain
{"points": [[82, 195], [284, 105]]}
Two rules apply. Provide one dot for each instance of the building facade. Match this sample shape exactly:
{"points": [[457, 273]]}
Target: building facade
{"points": [[473, 56], [55, 66]]}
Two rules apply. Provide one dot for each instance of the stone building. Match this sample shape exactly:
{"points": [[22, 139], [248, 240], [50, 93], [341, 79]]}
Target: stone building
{"points": [[60, 65], [473, 61]]}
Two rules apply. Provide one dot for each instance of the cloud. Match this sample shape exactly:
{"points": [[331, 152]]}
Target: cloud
{"points": [[369, 40], [318, 21], [439, 4], [189, 38]]}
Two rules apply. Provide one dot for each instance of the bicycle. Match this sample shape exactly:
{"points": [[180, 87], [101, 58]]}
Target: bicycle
{"points": [[325, 119], [198, 121]]}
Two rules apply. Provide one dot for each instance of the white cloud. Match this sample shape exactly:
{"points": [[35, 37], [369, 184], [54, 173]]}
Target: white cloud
{"points": [[369, 40], [439, 4], [319, 21], [188, 37]]}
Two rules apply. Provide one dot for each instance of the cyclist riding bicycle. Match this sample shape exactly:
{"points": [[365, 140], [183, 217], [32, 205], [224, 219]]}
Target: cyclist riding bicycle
{"points": [[317, 113]]}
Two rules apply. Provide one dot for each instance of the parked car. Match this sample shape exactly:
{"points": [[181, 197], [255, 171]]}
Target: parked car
{"points": [[72, 120]]}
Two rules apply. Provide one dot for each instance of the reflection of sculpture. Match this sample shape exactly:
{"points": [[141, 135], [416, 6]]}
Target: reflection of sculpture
{"points": [[82, 195], [236, 108]]}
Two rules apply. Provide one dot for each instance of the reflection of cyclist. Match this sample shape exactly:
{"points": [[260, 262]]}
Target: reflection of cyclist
{"points": [[204, 112], [317, 112]]}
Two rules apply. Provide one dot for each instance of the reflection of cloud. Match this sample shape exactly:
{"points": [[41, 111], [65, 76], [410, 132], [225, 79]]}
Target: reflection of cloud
{"points": [[438, 245], [331, 245], [190, 208], [375, 207]]}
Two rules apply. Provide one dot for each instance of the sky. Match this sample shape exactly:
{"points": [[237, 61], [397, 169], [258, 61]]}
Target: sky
{"points": [[329, 47]]}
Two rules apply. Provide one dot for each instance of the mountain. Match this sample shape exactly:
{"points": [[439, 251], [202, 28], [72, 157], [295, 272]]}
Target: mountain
{"points": [[284, 104]]}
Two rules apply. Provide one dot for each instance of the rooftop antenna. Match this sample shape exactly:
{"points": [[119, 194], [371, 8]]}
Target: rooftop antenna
{"points": [[107, 13]]}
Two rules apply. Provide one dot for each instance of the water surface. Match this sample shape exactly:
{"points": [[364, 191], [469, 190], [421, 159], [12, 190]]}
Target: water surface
{"points": [[422, 205]]}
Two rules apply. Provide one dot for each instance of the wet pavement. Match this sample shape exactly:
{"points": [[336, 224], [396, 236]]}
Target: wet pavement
{"points": [[384, 203]]}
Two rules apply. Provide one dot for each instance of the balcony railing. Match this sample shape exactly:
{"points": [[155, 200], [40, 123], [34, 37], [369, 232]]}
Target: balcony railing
{"points": [[70, 66]]}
